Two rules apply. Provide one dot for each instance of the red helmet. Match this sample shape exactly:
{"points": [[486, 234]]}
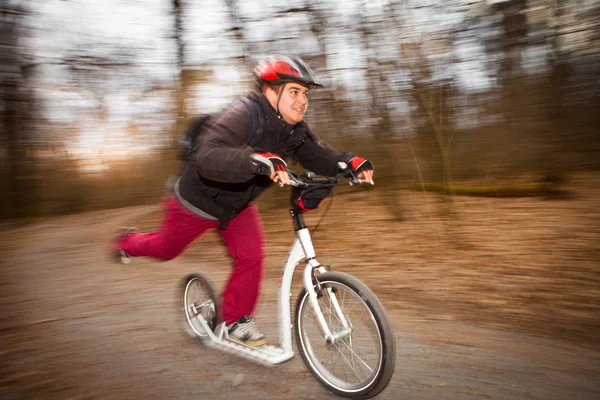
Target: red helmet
{"points": [[280, 69]]}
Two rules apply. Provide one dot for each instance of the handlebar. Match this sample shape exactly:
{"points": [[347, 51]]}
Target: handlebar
{"points": [[308, 191], [308, 180]]}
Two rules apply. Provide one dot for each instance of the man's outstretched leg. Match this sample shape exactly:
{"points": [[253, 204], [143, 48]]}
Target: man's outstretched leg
{"points": [[180, 228]]}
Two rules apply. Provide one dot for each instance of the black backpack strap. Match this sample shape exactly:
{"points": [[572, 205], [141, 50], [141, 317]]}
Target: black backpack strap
{"points": [[258, 121], [188, 140]]}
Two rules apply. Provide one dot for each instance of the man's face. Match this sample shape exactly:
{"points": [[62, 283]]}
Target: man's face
{"points": [[293, 102]]}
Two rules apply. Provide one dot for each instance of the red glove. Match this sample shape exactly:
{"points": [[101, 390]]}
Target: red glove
{"points": [[267, 163], [359, 164]]}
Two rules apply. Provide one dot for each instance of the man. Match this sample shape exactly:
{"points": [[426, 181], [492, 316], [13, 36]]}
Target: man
{"points": [[224, 175]]}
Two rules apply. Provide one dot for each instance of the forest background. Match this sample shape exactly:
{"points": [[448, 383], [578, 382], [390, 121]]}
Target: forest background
{"points": [[460, 96]]}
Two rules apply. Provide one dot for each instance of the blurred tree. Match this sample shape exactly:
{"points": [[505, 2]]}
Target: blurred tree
{"points": [[181, 84], [512, 42], [574, 58], [18, 182], [237, 28]]}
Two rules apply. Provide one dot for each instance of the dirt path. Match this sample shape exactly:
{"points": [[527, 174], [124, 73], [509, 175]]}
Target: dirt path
{"points": [[75, 326]]}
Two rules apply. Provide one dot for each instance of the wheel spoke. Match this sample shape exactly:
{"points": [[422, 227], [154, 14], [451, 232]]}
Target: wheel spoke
{"points": [[355, 354], [348, 363]]}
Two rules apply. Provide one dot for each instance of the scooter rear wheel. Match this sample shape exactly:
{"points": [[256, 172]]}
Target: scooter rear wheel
{"points": [[199, 302]]}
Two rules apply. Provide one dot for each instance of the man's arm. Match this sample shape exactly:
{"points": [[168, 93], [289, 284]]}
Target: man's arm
{"points": [[317, 156], [222, 153]]}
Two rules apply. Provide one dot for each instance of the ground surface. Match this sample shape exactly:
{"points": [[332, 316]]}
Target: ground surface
{"points": [[502, 302]]}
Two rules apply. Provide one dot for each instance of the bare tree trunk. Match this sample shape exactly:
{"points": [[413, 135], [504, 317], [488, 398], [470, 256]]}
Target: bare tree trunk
{"points": [[180, 92], [378, 89], [237, 27], [557, 114], [514, 26], [18, 184], [181, 109]]}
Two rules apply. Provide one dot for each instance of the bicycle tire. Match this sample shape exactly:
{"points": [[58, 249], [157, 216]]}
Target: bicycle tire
{"points": [[350, 293], [198, 298]]}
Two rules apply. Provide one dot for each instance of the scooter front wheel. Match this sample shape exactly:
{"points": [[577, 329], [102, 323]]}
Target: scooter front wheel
{"points": [[199, 303], [360, 362]]}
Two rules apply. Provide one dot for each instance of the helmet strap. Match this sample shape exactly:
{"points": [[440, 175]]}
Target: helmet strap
{"points": [[281, 89]]}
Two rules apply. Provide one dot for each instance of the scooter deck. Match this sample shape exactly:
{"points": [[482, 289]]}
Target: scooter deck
{"points": [[267, 355]]}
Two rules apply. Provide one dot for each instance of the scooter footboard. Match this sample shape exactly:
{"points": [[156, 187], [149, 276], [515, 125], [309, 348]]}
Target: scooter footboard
{"points": [[266, 355]]}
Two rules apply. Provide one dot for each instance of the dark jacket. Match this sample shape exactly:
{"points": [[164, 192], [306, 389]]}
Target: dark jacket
{"points": [[219, 177]]}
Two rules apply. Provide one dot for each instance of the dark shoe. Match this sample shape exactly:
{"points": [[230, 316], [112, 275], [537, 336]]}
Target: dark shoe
{"points": [[119, 255], [244, 331]]}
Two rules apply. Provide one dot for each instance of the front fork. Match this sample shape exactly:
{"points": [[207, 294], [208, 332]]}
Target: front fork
{"points": [[303, 249], [310, 282]]}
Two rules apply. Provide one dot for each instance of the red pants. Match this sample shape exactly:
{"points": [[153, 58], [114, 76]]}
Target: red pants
{"points": [[243, 237]]}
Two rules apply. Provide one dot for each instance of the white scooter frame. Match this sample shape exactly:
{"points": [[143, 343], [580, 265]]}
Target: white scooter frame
{"points": [[272, 355]]}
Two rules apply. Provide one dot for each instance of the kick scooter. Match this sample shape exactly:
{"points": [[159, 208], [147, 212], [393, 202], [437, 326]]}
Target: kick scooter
{"points": [[341, 329]]}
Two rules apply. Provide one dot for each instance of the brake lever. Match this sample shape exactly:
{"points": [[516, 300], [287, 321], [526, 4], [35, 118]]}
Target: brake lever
{"points": [[354, 180], [293, 182], [359, 182]]}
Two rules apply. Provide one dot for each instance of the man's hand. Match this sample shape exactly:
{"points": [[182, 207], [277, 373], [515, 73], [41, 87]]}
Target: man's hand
{"points": [[271, 165], [280, 176], [363, 167], [367, 176]]}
